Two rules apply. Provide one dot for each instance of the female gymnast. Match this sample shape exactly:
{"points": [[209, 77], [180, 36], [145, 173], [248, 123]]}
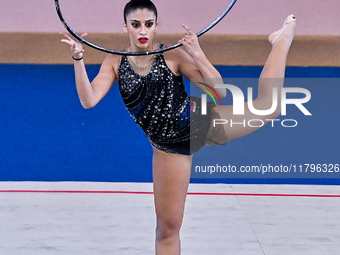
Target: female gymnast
{"points": [[153, 92]]}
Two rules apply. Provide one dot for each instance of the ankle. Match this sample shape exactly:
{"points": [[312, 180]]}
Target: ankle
{"points": [[283, 44]]}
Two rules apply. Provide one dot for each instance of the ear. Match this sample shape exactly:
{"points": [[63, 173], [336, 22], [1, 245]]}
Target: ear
{"points": [[125, 28], [156, 26]]}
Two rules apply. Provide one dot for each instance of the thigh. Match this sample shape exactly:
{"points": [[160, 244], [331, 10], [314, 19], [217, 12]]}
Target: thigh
{"points": [[237, 126], [171, 176]]}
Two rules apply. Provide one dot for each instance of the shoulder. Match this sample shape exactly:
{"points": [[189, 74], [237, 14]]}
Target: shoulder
{"points": [[112, 59], [179, 59], [111, 62], [178, 54]]}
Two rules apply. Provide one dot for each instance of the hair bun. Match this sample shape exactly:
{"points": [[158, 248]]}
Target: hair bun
{"points": [[139, 4], [140, 1]]}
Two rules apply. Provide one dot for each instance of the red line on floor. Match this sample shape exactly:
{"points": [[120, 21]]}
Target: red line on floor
{"points": [[150, 193]]}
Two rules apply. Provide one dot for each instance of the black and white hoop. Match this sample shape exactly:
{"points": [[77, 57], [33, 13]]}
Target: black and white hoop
{"points": [[92, 45]]}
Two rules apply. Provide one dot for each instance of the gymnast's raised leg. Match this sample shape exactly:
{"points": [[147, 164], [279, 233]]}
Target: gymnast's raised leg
{"points": [[272, 76]]}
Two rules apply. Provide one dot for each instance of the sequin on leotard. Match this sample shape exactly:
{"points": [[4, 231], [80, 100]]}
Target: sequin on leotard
{"points": [[160, 105]]}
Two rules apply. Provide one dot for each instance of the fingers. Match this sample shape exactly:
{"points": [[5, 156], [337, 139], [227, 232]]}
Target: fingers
{"points": [[66, 35], [189, 36], [75, 45], [70, 38], [76, 48], [66, 41], [185, 40], [190, 41], [188, 29]]}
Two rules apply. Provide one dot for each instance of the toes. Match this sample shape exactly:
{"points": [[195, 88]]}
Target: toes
{"points": [[286, 32]]}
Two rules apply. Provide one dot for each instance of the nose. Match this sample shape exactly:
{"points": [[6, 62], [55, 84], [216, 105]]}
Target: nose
{"points": [[143, 30]]}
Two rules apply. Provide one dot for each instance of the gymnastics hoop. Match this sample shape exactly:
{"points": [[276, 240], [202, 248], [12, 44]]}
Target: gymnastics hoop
{"points": [[92, 45]]}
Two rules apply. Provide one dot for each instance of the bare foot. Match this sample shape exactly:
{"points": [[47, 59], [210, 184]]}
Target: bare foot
{"points": [[286, 33]]}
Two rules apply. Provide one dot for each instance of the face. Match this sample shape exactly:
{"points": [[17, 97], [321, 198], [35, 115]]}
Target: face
{"points": [[141, 26]]}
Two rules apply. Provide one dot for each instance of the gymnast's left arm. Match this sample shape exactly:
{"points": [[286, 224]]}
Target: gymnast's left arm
{"points": [[200, 65]]}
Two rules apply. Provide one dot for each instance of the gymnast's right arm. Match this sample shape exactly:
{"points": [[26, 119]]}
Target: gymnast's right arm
{"points": [[90, 93]]}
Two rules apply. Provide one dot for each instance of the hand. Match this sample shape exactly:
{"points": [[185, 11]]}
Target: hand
{"points": [[76, 46], [190, 41]]}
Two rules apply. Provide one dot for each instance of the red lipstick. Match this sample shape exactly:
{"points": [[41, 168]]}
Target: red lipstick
{"points": [[143, 40]]}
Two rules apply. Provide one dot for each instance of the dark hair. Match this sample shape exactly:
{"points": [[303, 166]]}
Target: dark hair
{"points": [[134, 5]]}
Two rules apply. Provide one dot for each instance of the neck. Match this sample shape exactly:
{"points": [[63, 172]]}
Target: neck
{"points": [[142, 59]]}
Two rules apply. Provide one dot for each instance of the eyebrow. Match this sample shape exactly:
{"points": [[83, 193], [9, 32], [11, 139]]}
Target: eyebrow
{"points": [[135, 20]]}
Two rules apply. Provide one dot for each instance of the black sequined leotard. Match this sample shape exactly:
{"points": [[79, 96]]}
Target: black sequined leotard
{"points": [[160, 105]]}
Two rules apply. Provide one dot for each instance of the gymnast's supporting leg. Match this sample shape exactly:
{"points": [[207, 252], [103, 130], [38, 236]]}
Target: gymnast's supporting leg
{"points": [[171, 176], [272, 76]]}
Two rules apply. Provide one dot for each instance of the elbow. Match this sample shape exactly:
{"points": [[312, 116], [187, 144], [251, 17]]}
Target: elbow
{"points": [[87, 105], [222, 93]]}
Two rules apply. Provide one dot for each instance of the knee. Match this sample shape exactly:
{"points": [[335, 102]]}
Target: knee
{"points": [[168, 228], [276, 113], [267, 104]]}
